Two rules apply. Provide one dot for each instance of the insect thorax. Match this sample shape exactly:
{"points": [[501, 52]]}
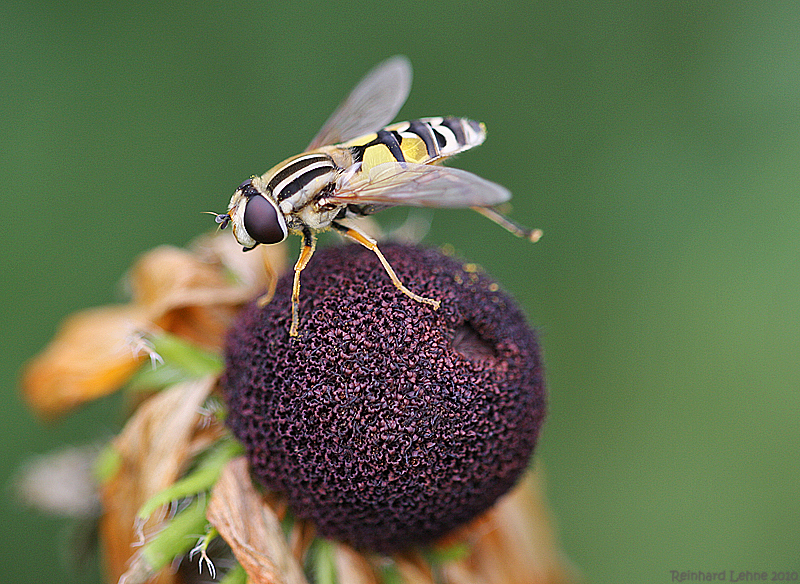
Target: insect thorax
{"points": [[295, 181]]}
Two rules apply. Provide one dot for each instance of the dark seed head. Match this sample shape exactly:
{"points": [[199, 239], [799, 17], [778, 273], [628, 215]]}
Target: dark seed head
{"points": [[386, 422]]}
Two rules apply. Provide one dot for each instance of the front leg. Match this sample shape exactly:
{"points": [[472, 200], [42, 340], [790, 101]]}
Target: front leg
{"points": [[309, 244]]}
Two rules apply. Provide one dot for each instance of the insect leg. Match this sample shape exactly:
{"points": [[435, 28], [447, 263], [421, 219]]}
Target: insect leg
{"points": [[533, 235], [372, 245], [272, 278], [309, 244]]}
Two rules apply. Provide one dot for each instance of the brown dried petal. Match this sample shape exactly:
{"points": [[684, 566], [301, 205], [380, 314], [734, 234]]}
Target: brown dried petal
{"points": [[251, 528], [160, 278], [352, 567], [192, 294], [167, 278], [88, 358], [177, 291], [413, 569], [513, 543], [200, 298], [254, 270], [155, 448], [301, 536]]}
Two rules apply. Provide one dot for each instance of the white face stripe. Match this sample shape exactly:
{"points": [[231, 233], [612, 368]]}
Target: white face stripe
{"points": [[237, 218]]}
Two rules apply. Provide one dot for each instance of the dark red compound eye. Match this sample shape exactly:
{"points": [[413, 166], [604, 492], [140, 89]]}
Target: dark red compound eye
{"points": [[263, 221]]}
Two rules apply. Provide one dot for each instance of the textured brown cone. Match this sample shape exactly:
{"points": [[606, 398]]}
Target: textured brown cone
{"points": [[386, 423]]}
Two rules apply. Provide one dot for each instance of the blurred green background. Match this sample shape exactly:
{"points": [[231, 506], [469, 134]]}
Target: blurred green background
{"points": [[656, 143]]}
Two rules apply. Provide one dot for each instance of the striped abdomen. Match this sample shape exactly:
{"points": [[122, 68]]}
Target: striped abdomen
{"points": [[422, 141]]}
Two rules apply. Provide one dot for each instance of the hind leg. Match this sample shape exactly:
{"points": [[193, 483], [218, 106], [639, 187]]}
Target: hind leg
{"points": [[533, 235]]}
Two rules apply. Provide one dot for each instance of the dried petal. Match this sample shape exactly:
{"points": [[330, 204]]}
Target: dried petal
{"points": [[194, 295], [413, 569], [155, 448], [176, 289], [255, 270], [88, 358], [252, 528], [61, 482], [513, 543], [160, 278], [300, 538], [197, 294], [352, 567]]}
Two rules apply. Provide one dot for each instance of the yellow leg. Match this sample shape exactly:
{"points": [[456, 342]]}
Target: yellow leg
{"points": [[533, 235], [309, 244], [372, 245], [272, 283]]}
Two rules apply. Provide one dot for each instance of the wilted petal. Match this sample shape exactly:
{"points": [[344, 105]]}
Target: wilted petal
{"points": [[204, 326], [300, 538], [251, 528], [90, 357], [352, 567], [513, 543], [254, 270], [154, 449], [61, 482], [161, 278], [193, 296], [413, 569]]}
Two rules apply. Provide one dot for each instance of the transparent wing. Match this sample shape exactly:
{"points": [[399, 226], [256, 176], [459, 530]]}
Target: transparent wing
{"points": [[420, 185], [373, 103]]}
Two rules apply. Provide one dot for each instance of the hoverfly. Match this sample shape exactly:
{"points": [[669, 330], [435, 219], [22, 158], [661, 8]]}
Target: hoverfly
{"points": [[350, 170]]}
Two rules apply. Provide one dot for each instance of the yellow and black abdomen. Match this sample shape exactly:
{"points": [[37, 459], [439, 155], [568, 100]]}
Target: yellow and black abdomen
{"points": [[423, 141]]}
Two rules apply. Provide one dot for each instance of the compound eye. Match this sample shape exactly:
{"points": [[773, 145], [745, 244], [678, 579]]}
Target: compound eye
{"points": [[263, 221]]}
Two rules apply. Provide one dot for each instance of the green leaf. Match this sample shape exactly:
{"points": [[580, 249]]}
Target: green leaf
{"points": [[323, 562], [107, 463], [199, 480], [235, 575], [179, 361], [178, 537], [455, 552], [390, 574]]}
